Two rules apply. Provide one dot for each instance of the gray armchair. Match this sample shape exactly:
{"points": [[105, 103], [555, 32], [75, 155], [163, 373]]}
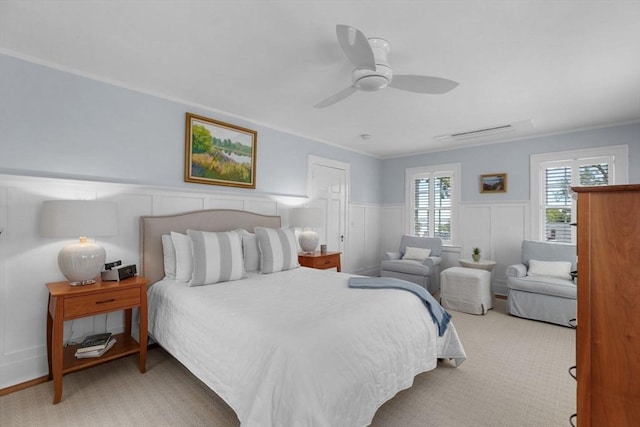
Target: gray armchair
{"points": [[424, 273], [540, 297]]}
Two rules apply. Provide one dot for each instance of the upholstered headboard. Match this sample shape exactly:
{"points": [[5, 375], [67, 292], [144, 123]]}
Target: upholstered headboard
{"points": [[153, 227]]}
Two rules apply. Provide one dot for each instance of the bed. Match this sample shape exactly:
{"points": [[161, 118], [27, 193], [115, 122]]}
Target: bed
{"points": [[289, 347]]}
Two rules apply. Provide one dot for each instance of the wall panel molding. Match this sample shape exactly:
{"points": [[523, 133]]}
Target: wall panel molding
{"points": [[497, 228], [28, 261]]}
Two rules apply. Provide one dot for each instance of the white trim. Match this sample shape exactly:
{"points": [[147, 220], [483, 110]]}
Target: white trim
{"points": [[18, 179], [620, 174], [346, 167], [330, 163], [455, 170]]}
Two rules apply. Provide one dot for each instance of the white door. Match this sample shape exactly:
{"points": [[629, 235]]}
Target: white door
{"points": [[329, 186]]}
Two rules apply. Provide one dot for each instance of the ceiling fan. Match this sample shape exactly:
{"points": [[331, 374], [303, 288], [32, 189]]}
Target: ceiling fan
{"points": [[372, 69]]}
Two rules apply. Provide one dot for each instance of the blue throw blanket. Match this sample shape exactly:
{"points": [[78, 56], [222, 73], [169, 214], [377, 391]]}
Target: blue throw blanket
{"points": [[438, 314]]}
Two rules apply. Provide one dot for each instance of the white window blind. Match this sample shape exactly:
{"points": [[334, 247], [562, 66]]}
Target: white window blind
{"points": [[431, 202], [421, 207], [558, 204]]}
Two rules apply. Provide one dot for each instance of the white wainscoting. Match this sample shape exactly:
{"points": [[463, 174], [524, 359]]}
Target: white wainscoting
{"points": [[365, 239], [393, 226], [497, 228], [28, 261]]}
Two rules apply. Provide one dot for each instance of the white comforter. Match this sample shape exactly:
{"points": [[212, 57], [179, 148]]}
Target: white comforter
{"points": [[299, 348]]}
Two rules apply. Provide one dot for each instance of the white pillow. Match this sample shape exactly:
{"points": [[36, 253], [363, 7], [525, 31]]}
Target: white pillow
{"points": [[278, 249], [184, 256], [251, 251], [169, 254], [558, 269], [217, 257], [419, 254]]}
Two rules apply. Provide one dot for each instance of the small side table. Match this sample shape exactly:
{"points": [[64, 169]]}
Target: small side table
{"points": [[320, 260], [482, 264], [68, 302]]}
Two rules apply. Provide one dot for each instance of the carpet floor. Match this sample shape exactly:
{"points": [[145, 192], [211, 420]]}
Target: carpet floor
{"points": [[515, 375]]}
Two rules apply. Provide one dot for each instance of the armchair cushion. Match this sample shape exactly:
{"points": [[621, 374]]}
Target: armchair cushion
{"points": [[544, 286], [406, 266], [559, 269], [419, 254]]}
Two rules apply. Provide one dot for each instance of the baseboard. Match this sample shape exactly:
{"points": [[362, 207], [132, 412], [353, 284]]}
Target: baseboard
{"points": [[499, 287], [22, 386]]}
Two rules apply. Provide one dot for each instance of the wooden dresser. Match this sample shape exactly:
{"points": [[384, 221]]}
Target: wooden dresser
{"points": [[608, 325]]}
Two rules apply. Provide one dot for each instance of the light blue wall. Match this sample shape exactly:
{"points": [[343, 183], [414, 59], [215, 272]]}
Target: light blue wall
{"points": [[58, 124], [511, 158]]}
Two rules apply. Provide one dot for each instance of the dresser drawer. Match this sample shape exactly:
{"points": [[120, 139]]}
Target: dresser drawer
{"points": [[101, 301]]}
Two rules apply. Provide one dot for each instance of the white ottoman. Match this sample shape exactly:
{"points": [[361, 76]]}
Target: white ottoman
{"points": [[466, 289]]}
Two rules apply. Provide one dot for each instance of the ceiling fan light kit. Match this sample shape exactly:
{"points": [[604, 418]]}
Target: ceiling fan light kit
{"points": [[373, 72], [372, 80]]}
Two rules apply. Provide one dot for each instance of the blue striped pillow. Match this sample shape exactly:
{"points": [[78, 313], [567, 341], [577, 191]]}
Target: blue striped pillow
{"points": [[278, 249], [217, 257]]}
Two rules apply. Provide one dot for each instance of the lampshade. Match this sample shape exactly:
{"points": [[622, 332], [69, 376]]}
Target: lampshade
{"points": [[306, 218], [79, 262]]}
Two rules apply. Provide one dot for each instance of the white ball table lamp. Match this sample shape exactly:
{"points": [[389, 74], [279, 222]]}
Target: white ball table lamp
{"points": [[307, 218], [79, 262]]}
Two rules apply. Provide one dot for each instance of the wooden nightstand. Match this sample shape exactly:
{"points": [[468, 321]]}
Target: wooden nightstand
{"points": [[320, 260], [68, 302]]}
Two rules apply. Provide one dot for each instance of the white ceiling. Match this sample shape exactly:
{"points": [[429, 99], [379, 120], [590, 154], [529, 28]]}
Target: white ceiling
{"points": [[562, 65]]}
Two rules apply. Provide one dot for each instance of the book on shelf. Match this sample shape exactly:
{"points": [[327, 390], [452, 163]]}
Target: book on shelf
{"points": [[96, 353], [94, 342]]}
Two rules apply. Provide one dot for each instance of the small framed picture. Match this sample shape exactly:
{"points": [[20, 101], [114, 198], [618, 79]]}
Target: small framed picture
{"points": [[493, 183], [219, 153]]}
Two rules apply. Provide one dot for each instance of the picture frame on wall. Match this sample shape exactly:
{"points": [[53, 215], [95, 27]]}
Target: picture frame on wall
{"points": [[493, 183], [219, 153]]}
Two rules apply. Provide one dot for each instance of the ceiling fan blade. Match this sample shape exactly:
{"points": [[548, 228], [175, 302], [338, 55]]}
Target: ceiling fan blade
{"points": [[356, 46], [423, 84], [336, 97]]}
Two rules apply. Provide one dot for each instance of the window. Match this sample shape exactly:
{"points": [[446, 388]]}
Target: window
{"points": [[554, 174], [432, 200]]}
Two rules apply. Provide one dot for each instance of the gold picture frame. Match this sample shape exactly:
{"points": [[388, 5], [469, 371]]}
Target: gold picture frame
{"points": [[219, 153], [493, 183]]}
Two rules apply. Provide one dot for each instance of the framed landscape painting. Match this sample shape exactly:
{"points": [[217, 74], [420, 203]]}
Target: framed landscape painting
{"points": [[219, 153], [493, 183]]}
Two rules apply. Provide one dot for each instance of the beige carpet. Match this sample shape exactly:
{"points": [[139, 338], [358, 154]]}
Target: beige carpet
{"points": [[515, 375]]}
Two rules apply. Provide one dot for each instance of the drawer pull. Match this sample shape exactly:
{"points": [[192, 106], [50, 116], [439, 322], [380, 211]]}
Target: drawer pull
{"points": [[572, 372], [106, 301]]}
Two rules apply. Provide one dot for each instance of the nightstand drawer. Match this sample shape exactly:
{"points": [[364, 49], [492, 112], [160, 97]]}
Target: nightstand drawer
{"points": [[321, 260], [326, 263], [101, 301]]}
